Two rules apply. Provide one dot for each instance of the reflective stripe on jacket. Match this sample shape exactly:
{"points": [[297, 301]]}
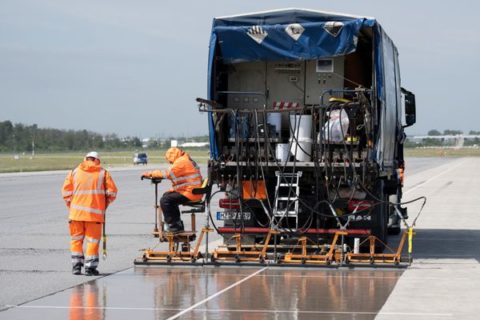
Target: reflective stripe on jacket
{"points": [[88, 190], [184, 173]]}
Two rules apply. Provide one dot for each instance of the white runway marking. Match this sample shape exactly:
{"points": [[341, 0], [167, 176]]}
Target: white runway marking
{"points": [[326, 276], [192, 308], [217, 294]]}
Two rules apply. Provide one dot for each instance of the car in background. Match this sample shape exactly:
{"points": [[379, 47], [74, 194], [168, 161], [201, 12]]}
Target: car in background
{"points": [[140, 158]]}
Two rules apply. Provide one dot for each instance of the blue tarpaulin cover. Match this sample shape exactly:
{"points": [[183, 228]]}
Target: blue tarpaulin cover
{"points": [[292, 35], [265, 36]]}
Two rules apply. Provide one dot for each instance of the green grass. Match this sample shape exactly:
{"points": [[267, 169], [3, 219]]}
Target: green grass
{"points": [[442, 152], [69, 160]]}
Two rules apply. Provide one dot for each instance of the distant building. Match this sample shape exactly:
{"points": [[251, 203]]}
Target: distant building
{"points": [[455, 141], [194, 144]]}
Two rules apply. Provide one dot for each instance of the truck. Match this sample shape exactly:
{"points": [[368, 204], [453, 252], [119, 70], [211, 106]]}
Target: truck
{"points": [[306, 117]]}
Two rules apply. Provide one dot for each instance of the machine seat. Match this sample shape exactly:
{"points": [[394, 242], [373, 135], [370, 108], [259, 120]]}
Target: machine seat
{"points": [[198, 206]]}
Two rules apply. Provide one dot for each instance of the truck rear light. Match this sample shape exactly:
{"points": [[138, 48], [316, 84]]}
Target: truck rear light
{"points": [[401, 175], [229, 203], [359, 205]]}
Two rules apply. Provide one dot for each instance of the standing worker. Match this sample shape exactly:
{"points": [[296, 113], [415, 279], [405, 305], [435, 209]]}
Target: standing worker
{"points": [[185, 175], [87, 191]]}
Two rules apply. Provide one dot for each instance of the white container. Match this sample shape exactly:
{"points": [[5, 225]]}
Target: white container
{"points": [[301, 149], [301, 125], [356, 245], [282, 152], [275, 119]]}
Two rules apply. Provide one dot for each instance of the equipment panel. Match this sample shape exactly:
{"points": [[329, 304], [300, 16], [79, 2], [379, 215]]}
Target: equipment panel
{"points": [[246, 85], [322, 75]]}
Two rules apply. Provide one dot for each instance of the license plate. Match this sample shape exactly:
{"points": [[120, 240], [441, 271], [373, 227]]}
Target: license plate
{"points": [[233, 216]]}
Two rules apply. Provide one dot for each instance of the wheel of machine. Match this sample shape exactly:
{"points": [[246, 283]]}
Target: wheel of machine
{"points": [[185, 247], [276, 259]]}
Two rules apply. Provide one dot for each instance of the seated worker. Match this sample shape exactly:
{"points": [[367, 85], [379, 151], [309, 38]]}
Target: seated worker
{"points": [[185, 175]]}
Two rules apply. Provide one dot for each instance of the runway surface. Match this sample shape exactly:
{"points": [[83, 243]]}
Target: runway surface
{"points": [[441, 283], [220, 293]]}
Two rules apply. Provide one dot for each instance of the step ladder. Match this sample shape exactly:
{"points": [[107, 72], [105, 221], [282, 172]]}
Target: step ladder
{"points": [[287, 192]]}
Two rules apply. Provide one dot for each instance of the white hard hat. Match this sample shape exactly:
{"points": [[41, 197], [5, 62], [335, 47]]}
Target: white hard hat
{"points": [[93, 154]]}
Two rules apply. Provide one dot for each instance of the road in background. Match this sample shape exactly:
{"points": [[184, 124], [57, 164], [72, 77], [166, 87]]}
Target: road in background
{"points": [[441, 284]]}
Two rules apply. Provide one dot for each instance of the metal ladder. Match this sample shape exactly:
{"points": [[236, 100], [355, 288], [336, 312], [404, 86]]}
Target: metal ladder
{"points": [[283, 196]]}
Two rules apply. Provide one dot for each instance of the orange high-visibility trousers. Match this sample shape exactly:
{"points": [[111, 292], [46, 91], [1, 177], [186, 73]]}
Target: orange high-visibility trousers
{"points": [[91, 232]]}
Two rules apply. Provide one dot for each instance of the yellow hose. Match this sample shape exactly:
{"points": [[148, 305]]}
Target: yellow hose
{"points": [[410, 240]]}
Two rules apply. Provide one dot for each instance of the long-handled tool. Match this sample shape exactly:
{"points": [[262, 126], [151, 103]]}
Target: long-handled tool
{"points": [[155, 229], [104, 241], [104, 233], [155, 181]]}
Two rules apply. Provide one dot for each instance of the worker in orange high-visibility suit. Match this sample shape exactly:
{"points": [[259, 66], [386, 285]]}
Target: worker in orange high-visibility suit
{"points": [[185, 175], [87, 191]]}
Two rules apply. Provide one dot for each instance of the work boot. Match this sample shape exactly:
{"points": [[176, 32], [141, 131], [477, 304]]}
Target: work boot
{"points": [[176, 227], [91, 272], [77, 269]]}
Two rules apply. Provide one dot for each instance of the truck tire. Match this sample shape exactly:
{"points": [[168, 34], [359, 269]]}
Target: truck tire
{"points": [[380, 217]]}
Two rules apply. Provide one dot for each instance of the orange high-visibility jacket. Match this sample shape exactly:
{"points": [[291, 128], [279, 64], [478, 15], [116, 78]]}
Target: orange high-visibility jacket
{"points": [[88, 190], [184, 173]]}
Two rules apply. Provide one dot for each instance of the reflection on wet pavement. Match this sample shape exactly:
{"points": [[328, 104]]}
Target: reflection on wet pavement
{"points": [[84, 303], [219, 293]]}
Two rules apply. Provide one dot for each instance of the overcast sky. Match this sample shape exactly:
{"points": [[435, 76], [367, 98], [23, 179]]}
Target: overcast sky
{"points": [[135, 67]]}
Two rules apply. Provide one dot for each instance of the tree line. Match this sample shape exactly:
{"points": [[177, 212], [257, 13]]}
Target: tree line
{"points": [[433, 139], [24, 138], [449, 132]]}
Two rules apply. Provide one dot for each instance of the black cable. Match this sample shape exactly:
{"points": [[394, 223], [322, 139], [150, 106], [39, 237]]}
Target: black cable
{"points": [[210, 213], [237, 150], [393, 203], [327, 166]]}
